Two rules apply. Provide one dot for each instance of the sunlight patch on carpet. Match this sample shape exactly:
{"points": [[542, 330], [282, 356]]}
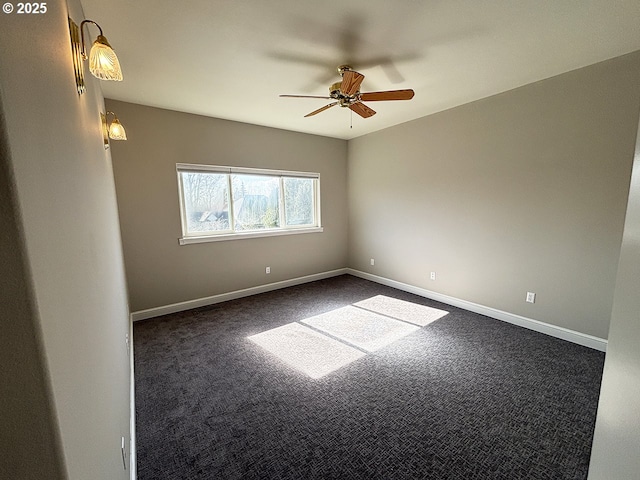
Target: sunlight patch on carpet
{"points": [[329, 344], [402, 310], [361, 328], [306, 350]]}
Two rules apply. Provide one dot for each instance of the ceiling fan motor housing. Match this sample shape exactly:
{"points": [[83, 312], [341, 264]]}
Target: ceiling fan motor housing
{"points": [[345, 100], [334, 90]]}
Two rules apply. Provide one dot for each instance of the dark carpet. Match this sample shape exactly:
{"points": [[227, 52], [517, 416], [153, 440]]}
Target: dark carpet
{"points": [[466, 397]]}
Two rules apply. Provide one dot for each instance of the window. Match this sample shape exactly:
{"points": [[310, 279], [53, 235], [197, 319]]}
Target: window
{"points": [[221, 203]]}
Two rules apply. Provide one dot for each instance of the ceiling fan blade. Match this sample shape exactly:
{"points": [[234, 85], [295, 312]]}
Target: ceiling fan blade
{"points": [[362, 110], [321, 109], [388, 95], [305, 96], [351, 82]]}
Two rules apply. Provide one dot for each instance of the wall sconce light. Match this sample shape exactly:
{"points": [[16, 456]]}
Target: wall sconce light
{"points": [[103, 62], [116, 130], [113, 131]]}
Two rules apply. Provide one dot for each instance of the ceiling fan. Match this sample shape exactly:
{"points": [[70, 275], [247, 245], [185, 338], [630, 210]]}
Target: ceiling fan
{"points": [[346, 93]]}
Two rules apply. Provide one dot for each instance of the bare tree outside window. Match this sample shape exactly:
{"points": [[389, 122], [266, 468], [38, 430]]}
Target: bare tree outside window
{"points": [[221, 201], [255, 201], [298, 201], [206, 201]]}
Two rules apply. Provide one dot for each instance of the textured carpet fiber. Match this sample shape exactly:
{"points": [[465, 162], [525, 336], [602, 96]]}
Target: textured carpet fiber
{"points": [[462, 396]]}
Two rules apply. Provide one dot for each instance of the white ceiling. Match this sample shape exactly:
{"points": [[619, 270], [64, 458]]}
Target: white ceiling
{"points": [[231, 59]]}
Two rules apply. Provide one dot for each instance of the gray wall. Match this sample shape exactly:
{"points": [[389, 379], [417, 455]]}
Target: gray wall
{"points": [[617, 435], [29, 439], [65, 370], [523, 191], [159, 270]]}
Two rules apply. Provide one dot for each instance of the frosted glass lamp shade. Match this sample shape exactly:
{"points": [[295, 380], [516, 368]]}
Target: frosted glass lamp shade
{"points": [[116, 131], [103, 62]]}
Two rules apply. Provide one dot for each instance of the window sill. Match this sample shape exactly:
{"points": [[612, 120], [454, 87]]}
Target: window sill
{"points": [[243, 235]]}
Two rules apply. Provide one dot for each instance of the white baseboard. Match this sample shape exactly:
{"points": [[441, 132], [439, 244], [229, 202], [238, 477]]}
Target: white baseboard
{"points": [[548, 329], [536, 325], [223, 297]]}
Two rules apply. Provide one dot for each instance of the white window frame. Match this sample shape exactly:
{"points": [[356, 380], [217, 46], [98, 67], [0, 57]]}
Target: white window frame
{"points": [[189, 238]]}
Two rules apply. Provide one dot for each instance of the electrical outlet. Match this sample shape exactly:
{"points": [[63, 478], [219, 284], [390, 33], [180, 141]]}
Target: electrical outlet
{"points": [[126, 342], [373, 262], [433, 275], [531, 297], [267, 270]]}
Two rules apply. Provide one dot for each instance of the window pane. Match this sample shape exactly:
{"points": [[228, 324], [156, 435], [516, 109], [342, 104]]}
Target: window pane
{"points": [[298, 201], [206, 201], [255, 201]]}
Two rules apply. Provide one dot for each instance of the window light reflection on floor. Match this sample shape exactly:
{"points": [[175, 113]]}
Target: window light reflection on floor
{"points": [[307, 350], [364, 329], [421, 315], [324, 343]]}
